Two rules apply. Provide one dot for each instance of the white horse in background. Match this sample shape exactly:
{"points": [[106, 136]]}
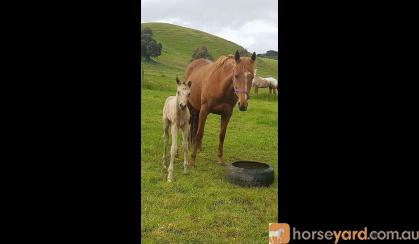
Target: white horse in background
{"points": [[273, 83], [176, 114], [260, 82]]}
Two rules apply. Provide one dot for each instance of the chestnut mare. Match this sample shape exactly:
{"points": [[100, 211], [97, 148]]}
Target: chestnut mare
{"points": [[216, 88]]}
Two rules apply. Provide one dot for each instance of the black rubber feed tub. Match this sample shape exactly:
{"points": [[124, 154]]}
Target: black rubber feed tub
{"points": [[250, 173]]}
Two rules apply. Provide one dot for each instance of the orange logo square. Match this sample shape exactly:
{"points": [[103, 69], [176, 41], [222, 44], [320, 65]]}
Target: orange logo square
{"points": [[279, 233]]}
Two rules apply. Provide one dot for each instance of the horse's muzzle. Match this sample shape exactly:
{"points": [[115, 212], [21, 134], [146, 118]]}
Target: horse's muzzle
{"points": [[182, 106], [242, 107]]}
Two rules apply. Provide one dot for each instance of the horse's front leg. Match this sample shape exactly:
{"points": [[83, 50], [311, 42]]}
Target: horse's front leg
{"points": [[225, 118], [185, 142], [166, 125], [203, 113], [173, 151]]}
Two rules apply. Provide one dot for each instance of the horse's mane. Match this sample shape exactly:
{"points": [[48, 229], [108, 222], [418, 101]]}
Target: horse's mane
{"points": [[219, 63]]}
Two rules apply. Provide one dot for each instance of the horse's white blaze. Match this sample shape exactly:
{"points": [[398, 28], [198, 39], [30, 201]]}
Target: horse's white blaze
{"points": [[245, 83]]}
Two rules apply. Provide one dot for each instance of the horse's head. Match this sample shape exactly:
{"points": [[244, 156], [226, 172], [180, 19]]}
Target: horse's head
{"points": [[182, 92], [242, 78]]}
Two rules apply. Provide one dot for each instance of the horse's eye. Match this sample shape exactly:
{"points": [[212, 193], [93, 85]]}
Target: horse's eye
{"points": [[236, 76]]}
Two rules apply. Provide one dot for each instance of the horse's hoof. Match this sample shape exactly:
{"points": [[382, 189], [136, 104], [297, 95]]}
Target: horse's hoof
{"points": [[169, 180], [192, 163], [186, 173], [221, 163]]}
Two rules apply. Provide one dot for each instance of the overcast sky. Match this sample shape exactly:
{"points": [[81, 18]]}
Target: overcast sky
{"points": [[252, 24]]}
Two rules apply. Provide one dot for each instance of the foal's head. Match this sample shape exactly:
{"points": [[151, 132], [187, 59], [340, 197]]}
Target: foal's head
{"points": [[242, 78], [182, 94]]}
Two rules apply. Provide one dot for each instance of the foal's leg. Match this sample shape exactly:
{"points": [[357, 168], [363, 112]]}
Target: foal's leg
{"points": [[172, 152], [256, 90], [203, 113], [225, 118], [186, 132], [270, 90], [166, 125]]}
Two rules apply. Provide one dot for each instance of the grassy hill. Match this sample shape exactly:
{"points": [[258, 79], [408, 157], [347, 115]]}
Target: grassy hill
{"points": [[178, 45]]}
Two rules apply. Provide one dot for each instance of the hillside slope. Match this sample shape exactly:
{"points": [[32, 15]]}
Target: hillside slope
{"points": [[178, 45]]}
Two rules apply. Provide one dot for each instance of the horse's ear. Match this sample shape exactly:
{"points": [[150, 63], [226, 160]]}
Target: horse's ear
{"points": [[189, 83], [237, 56], [253, 57], [177, 80]]}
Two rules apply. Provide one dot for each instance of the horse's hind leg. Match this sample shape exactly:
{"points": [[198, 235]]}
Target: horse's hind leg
{"points": [[256, 90], [190, 127], [194, 126], [177, 154], [199, 134], [225, 118]]}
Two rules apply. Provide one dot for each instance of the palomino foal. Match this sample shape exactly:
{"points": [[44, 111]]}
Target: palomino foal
{"points": [[176, 114]]}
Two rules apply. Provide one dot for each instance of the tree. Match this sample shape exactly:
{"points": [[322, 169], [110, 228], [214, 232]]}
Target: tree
{"points": [[201, 52], [272, 53], [147, 30], [269, 54], [149, 46]]}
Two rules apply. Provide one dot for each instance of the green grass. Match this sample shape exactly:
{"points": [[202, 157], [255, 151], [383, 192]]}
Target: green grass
{"points": [[203, 207]]}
